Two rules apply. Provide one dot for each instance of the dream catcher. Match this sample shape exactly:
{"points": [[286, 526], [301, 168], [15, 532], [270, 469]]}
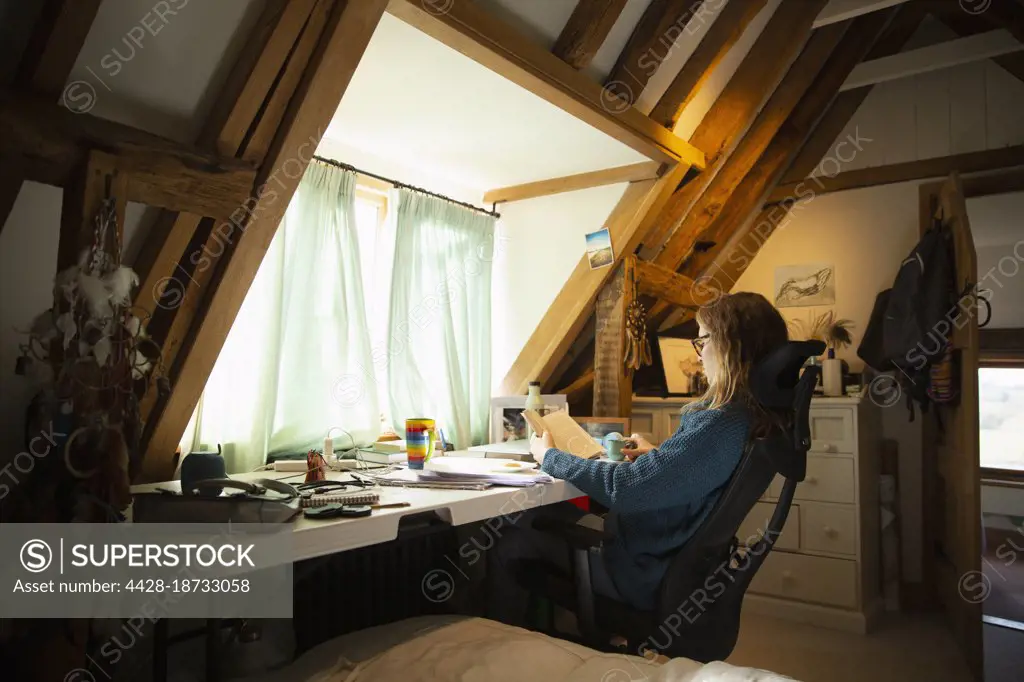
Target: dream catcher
{"points": [[638, 346], [97, 358]]}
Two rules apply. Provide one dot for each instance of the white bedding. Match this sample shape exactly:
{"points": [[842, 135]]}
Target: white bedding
{"points": [[459, 649]]}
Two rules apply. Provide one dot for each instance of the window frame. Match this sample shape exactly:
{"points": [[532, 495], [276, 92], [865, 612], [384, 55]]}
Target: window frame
{"points": [[994, 475]]}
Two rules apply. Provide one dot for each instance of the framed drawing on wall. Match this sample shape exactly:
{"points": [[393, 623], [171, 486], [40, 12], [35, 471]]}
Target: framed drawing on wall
{"points": [[507, 421]]}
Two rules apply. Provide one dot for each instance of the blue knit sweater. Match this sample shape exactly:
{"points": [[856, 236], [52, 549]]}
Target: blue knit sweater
{"points": [[656, 502]]}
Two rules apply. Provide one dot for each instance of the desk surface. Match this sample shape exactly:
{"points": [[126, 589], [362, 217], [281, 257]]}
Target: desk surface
{"points": [[457, 507]]}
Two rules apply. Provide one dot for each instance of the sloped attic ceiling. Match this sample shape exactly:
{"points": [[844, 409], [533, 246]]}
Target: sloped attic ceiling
{"points": [[773, 70]]}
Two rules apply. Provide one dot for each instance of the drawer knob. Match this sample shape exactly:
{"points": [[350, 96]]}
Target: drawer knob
{"points": [[829, 531], [787, 576], [810, 480], [830, 448]]}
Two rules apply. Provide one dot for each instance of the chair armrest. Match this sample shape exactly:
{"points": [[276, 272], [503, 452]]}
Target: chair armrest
{"points": [[575, 535]]}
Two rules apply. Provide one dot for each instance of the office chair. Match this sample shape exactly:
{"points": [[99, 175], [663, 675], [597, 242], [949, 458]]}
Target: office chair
{"points": [[698, 609]]}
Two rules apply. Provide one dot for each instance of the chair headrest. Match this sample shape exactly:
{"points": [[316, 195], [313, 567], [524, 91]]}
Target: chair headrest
{"points": [[773, 381]]}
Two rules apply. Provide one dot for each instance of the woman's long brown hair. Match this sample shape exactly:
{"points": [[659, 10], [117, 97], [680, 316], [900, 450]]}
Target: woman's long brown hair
{"points": [[743, 329]]}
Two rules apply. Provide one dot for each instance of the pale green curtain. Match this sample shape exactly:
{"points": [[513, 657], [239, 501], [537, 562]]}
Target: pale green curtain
{"points": [[297, 361], [439, 328]]}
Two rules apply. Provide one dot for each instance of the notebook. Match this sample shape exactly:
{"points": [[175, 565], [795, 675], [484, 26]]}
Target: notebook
{"points": [[356, 497], [568, 435]]}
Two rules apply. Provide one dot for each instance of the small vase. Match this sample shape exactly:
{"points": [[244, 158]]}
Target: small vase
{"points": [[832, 375]]}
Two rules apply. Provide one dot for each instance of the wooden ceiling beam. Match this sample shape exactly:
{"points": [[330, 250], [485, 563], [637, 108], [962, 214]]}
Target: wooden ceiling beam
{"points": [[747, 197], [713, 47], [493, 43], [57, 38], [844, 10], [181, 250], [664, 284], [53, 47], [51, 143], [646, 170], [651, 43], [737, 107], [906, 22], [574, 304], [1008, 14], [965, 24], [585, 32], [969, 162], [345, 38], [783, 102], [975, 48]]}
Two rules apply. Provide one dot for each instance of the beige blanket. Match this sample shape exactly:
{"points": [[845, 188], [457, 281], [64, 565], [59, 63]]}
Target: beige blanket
{"points": [[455, 649]]}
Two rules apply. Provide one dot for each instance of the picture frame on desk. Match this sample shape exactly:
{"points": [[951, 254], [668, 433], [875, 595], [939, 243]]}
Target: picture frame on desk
{"points": [[507, 421], [599, 427]]}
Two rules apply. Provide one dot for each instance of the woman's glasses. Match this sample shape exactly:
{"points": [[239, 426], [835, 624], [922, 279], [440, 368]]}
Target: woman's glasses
{"points": [[699, 343]]}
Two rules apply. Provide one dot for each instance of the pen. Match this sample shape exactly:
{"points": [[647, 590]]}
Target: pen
{"points": [[392, 505], [444, 443]]}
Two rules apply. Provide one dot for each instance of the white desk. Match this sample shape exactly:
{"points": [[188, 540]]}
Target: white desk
{"points": [[456, 507]]}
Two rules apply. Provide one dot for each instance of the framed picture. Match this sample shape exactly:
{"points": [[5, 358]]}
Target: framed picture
{"points": [[681, 364], [599, 427], [805, 285], [507, 421]]}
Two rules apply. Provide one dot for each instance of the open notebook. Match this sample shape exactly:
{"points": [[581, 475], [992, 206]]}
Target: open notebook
{"points": [[568, 435]]}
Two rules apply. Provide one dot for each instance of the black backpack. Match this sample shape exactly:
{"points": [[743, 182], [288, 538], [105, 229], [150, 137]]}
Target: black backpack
{"points": [[910, 324]]}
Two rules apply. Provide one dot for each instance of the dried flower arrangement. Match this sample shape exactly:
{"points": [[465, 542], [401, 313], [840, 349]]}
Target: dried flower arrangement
{"points": [[92, 354]]}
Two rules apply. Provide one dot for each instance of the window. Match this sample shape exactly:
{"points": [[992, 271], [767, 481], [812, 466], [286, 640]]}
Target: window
{"points": [[1001, 406], [375, 261]]}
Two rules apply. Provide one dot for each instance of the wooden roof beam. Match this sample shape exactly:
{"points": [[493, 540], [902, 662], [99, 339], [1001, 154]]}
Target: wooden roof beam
{"points": [[647, 170], [572, 308], [749, 194], [651, 43], [736, 108], [51, 144], [844, 10], [493, 43], [349, 27], [1007, 14], [965, 24], [934, 57], [794, 86], [53, 48], [713, 47], [664, 284], [49, 56], [585, 32], [970, 162], [906, 22]]}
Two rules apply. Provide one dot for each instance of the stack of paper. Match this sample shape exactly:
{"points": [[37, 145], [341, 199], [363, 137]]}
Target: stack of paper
{"points": [[496, 471]]}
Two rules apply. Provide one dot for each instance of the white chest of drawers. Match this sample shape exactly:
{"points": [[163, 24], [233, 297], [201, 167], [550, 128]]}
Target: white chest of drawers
{"points": [[824, 568]]}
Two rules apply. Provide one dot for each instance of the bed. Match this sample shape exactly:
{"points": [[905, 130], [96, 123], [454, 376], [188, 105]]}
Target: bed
{"points": [[464, 649]]}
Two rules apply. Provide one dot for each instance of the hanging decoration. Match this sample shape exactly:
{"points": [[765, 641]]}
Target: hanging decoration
{"points": [[638, 345], [94, 359]]}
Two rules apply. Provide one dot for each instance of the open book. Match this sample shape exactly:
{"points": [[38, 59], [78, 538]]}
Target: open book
{"points": [[568, 435]]}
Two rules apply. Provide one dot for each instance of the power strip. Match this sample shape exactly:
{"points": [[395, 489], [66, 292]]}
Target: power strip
{"points": [[290, 465]]}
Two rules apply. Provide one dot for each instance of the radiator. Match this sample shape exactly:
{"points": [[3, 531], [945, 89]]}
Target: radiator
{"points": [[375, 585]]}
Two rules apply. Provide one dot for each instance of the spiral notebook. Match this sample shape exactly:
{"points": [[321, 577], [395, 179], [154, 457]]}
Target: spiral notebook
{"points": [[340, 498]]}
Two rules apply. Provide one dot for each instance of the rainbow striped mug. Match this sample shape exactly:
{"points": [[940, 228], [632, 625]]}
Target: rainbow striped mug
{"points": [[419, 441]]}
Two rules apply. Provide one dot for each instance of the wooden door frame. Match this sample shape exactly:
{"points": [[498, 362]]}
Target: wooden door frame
{"points": [[1006, 181]]}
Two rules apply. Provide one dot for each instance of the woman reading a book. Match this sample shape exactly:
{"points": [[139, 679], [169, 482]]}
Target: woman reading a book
{"points": [[661, 495]]}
